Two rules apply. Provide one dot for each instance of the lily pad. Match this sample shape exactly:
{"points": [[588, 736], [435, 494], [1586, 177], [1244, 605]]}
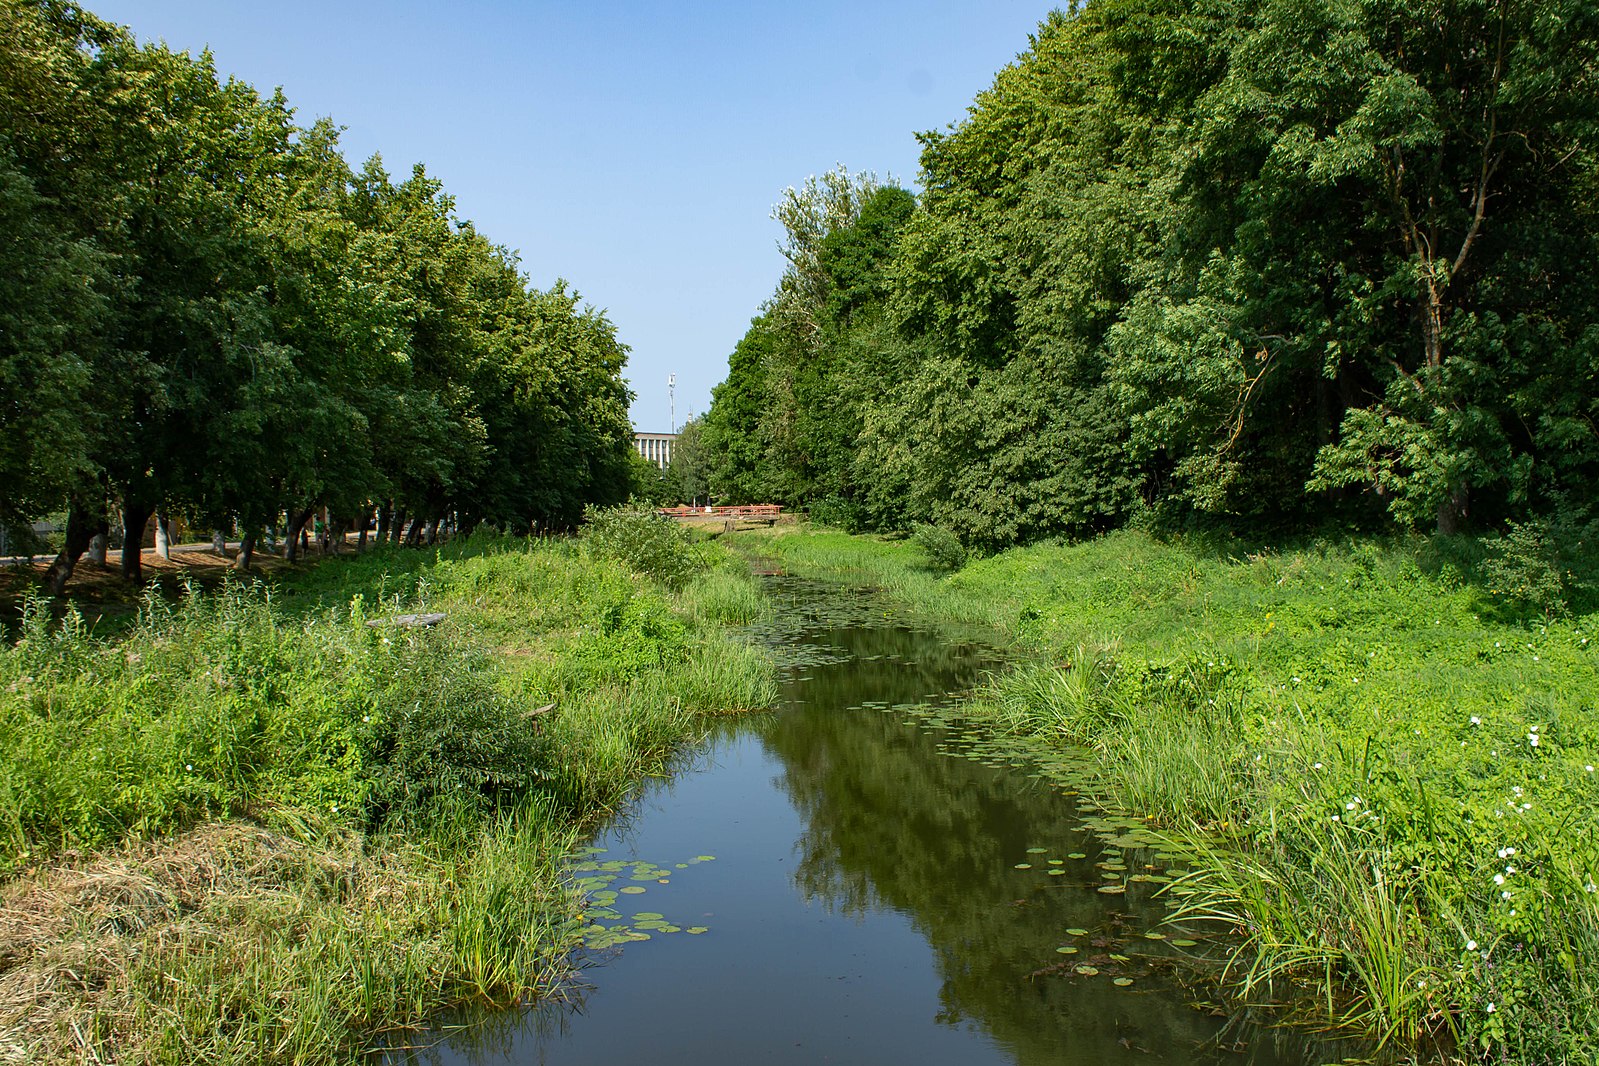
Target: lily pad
{"points": [[1024, 866], [1066, 949], [1038, 851], [1107, 890], [1077, 932], [1122, 982], [632, 890], [1154, 936], [697, 929], [1088, 971], [1184, 943]]}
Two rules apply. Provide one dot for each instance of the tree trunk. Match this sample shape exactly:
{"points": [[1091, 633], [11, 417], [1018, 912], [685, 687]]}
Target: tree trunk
{"points": [[241, 562], [361, 521], [219, 542], [397, 531], [134, 518], [385, 513], [163, 537], [291, 544], [80, 530], [1453, 511]]}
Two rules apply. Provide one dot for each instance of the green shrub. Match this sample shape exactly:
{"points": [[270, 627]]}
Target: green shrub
{"points": [[943, 549], [441, 731], [646, 542], [1538, 565], [837, 512]]}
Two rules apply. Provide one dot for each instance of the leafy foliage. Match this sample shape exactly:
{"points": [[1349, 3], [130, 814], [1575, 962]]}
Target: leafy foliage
{"points": [[944, 550], [647, 542], [204, 312], [1283, 263]]}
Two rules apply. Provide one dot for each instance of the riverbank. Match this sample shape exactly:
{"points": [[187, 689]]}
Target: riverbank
{"points": [[1385, 776], [257, 828]]}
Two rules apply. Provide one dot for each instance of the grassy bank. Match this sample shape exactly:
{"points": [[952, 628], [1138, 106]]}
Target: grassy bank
{"points": [[258, 829], [1386, 773]]}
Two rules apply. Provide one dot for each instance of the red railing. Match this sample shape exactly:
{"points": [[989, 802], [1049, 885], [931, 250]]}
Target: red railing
{"points": [[748, 510]]}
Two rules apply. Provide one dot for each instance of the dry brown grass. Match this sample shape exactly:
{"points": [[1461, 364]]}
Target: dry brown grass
{"points": [[74, 932]]}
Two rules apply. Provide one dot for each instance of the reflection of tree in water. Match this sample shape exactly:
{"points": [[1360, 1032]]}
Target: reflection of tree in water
{"points": [[891, 822]]}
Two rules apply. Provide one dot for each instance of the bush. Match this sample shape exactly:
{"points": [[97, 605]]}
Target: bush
{"points": [[646, 542], [442, 736], [837, 512], [943, 549], [1536, 564]]}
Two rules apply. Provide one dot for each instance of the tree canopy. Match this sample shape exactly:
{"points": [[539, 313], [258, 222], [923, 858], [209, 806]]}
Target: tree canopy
{"points": [[1272, 262], [205, 312]]}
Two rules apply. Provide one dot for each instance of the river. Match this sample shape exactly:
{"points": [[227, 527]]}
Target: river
{"points": [[857, 877]]}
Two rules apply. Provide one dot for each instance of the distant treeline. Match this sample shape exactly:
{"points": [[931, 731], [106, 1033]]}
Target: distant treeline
{"points": [[1280, 261], [205, 312]]}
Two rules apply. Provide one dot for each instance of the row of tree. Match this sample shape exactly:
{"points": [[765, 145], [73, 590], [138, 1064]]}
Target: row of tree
{"points": [[204, 311], [1279, 260]]}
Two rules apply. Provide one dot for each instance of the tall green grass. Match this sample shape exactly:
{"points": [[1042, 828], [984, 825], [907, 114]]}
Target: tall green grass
{"points": [[258, 829], [1384, 769]]}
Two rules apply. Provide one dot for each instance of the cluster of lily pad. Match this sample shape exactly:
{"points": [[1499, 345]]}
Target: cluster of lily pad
{"points": [[605, 925]]}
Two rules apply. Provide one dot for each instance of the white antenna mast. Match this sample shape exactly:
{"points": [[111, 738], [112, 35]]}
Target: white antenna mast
{"points": [[671, 399]]}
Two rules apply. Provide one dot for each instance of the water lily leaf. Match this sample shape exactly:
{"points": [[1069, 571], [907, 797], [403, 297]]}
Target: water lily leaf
{"points": [[1037, 851], [1077, 855], [1077, 932], [698, 929], [1066, 949], [1056, 873], [1108, 890], [633, 890], [1088, 971], [648, 916], [1024, 866], [1154, 936], [1122, 982], [1184, 943]]}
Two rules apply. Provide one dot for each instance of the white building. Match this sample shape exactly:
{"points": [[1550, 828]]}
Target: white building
{"points": [[656, 447]]}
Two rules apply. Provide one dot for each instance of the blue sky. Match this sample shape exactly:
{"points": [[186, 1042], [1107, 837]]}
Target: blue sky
{"points": [[634, 149]]}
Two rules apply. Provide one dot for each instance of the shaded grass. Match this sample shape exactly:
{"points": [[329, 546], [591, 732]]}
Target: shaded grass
{"points": [[1375, 761], [307, 832]]}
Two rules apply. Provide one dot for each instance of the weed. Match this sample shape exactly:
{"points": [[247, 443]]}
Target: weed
{"points": [[310, 830], [1386, 781]]}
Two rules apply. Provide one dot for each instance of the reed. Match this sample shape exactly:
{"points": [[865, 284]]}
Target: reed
{"points": [[1383, 768], [256, 829]]}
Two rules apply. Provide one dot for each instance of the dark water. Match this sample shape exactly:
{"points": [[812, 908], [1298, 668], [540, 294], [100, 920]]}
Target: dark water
{"points": [[862, 901]]}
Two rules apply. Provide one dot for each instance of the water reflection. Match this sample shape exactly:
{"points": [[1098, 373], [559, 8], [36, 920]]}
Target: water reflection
{"points": [[865, 903], [893, 823]]}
